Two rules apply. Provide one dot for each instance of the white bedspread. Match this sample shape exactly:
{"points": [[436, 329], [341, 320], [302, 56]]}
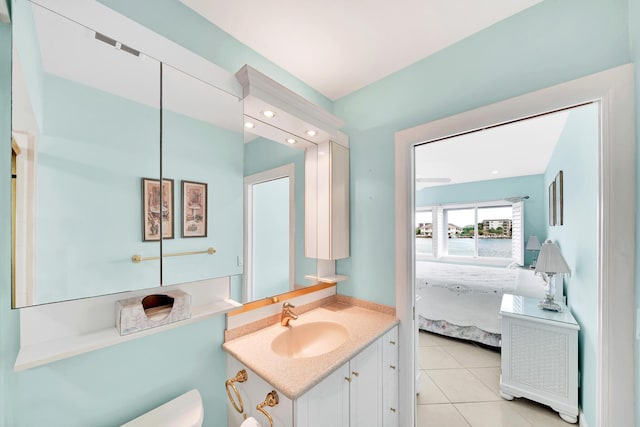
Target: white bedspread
{"points": [[468, 295]]}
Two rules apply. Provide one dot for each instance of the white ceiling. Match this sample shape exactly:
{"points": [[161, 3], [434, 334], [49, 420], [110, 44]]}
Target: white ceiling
{"points": [[515, 149], [340, 46]]}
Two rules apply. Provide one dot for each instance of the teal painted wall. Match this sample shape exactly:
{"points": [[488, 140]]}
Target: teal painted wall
{"points": [[546, 44], [496, 189], [576, 154]]}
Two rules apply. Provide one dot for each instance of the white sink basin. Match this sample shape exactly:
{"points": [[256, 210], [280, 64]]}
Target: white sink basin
{"points": [[309, 339]]}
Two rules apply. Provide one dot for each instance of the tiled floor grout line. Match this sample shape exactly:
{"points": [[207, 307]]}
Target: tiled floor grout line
{"points": [[485, 375]]}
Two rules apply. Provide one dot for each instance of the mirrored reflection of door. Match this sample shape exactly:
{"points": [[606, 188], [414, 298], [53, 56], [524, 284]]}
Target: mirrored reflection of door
{"points": [[270, 233]]}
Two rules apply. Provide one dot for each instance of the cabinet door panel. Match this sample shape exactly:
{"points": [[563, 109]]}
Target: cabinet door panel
{"points": [[390, 378], [326, 404], [366, 387]]}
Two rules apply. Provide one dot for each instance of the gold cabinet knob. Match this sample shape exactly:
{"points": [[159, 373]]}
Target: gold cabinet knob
{"points": [[392, 342], [347, 379], [392, 366], [393, 409], [356, 373]]}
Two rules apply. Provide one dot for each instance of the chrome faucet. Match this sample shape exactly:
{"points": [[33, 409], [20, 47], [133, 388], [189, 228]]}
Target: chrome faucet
{"points": [[287, 314]]}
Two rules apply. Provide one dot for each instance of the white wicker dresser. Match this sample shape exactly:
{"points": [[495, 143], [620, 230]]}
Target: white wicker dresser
{"points": [[540, 355]]}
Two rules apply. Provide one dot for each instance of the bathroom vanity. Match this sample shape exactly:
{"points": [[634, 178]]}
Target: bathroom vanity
{"points": [[355, 383]]}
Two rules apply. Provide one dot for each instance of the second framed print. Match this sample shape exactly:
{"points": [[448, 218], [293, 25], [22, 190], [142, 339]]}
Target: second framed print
{"points": [[194, 209]]}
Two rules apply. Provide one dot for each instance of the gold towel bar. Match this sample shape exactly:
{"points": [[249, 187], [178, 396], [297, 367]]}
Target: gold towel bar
{"points": [[271, 400], [139, 258], [240, 377]]}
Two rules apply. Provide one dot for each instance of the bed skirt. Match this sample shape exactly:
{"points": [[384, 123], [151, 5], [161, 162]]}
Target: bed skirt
{"points": [[471, 333]]}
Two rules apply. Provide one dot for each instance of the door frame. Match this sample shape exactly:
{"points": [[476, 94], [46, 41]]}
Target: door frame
{"points": [[613, 88]]}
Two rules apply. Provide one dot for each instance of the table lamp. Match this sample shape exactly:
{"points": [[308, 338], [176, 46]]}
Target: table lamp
{"points": [[549, 264]]}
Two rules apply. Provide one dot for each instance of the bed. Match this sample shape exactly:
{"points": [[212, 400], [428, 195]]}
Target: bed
{"points": [[463, 301]]}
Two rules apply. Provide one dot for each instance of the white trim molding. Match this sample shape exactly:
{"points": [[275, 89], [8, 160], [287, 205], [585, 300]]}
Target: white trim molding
{"points": [[613, 88]]}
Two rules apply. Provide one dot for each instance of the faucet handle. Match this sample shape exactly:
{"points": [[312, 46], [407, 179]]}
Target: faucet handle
{"points": [[287, 304]]}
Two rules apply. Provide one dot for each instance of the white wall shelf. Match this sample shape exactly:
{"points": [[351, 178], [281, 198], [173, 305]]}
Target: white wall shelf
{"points": [[62, 339], [328, 279]]}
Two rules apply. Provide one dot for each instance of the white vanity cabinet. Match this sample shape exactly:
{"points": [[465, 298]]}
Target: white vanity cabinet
{"points": [[361, 392], [254, 391]]}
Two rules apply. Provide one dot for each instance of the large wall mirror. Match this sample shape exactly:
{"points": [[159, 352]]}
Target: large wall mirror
{"points": [[275, 178], [202, 154], [105, 168], [81, 140]]}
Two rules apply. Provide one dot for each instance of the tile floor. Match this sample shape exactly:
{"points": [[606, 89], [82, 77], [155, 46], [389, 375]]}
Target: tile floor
{"points": [[459, 387]]}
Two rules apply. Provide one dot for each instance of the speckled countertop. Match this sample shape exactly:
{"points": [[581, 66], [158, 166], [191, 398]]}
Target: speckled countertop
{"points": [[293, 377]]}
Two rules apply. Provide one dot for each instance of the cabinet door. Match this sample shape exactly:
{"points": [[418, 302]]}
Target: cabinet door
{"points": [[326, 404], [390, 378], [366, 387]]}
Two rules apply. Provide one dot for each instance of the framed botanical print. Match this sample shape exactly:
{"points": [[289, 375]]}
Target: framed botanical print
{"points": [[194, 209], [559, 199], [157, 209], [552, 203]]}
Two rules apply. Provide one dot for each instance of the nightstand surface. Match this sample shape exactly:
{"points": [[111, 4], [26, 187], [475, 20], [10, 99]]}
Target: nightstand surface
{"points": [[515, 305]]}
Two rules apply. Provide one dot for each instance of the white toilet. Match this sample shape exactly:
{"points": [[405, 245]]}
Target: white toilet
{"points": [[183, 411]]}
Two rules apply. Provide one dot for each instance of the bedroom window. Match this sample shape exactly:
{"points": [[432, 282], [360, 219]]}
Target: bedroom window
{"points": [[486, 232], [424, 233]]}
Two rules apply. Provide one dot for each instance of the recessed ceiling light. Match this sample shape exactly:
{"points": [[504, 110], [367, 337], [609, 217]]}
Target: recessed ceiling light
{"points": [[249, 125], [268, 113], [311, 132], [494, 172], [291, 141]]}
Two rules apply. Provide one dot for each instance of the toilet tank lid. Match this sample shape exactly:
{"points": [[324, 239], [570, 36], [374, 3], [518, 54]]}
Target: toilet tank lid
{"points": [[184, 411]]}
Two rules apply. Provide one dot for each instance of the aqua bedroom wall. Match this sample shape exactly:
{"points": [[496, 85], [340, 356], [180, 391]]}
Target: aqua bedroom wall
{"points": [[496, 189], [576, 154]]}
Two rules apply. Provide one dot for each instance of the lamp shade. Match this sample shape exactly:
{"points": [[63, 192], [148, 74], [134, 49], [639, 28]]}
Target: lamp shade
{"points": [[551, 260], [533, 244]]}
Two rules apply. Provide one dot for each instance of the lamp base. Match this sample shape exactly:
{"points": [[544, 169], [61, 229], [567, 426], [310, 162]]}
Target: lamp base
{"points": [[549, 304]]}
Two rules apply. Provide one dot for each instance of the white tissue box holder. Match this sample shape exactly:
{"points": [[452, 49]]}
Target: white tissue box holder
{"points": [[144, 312]]}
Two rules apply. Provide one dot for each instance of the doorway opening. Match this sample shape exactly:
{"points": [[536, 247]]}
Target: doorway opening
{"points": [[479, 197], [614, 317]]}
